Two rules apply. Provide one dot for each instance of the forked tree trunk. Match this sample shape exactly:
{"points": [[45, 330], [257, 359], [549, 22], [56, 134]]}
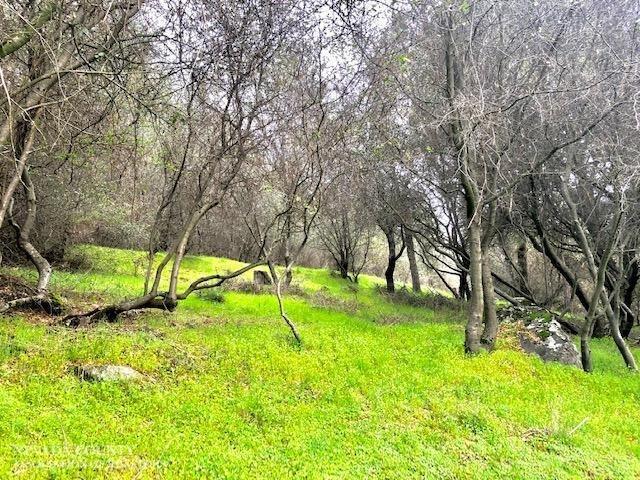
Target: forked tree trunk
{"points": [[599, 276], [181, 248]]}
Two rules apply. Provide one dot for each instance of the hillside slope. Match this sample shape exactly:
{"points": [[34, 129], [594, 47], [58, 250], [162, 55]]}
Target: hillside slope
{"points": [[379, 389]]}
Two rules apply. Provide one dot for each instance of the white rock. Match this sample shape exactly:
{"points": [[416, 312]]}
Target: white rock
{"points": [[107, 373]]}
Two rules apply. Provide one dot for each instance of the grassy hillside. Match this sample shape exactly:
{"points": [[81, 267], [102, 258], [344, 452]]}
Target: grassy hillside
{"points": [[379, 389]]}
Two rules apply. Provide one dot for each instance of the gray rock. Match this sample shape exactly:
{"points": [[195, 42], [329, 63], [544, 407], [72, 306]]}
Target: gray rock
{"points": [[260, 277], [107, 373], [547, 339]]}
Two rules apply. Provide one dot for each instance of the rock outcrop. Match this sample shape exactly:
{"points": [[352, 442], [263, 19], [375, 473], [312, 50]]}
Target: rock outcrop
{"points": [[543, 335]]}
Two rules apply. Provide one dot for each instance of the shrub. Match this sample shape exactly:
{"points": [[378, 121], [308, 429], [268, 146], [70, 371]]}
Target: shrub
{"points": [[213, 295]]}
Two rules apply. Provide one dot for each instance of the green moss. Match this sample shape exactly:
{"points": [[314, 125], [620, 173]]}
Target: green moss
{"points": [[544, 334]]}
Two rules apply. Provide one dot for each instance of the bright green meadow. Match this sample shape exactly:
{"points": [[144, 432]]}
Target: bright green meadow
{"points": [[379, 389]]}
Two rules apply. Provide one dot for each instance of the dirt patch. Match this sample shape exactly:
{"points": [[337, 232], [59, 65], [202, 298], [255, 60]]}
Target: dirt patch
{"points": [[432, 301], [394, 320], [323, 299], [13, 288]]}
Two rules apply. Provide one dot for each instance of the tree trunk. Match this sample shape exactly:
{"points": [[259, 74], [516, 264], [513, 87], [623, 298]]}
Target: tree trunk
{"points": [[623, 348], [476, 304], [628, 319], [454, 84], [599, 275], [41, 299], [490, 331], [523, 266], [23, 147], [391, 259], [585, 350], [181, 249], [24, 234], [614, 325], [413, 265], [343, 268], [464, 291], [283, 313], [599, 328], [288, 278]]}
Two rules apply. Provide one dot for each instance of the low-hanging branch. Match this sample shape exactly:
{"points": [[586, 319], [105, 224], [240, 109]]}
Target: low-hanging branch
{"points": [[200, 283]]}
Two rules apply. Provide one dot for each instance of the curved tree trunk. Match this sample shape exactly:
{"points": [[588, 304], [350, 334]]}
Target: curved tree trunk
{"points": [[26, 133], [41, 299], [627, 322], [614, 325], [24, 234], [545, 247], [623, 348], [283, 313]]}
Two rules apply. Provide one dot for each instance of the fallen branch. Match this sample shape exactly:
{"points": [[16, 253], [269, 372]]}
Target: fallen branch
{"points": [[153, 300]]}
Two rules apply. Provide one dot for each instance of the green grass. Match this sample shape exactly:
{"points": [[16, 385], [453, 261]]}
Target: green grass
{"points": [[378, 390]]}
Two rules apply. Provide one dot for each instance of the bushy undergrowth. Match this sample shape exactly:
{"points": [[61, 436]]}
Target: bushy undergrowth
{"points": [[226, 393]]}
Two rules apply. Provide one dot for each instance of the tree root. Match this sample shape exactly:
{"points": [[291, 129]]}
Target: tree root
{"points": [[42, 302]]}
